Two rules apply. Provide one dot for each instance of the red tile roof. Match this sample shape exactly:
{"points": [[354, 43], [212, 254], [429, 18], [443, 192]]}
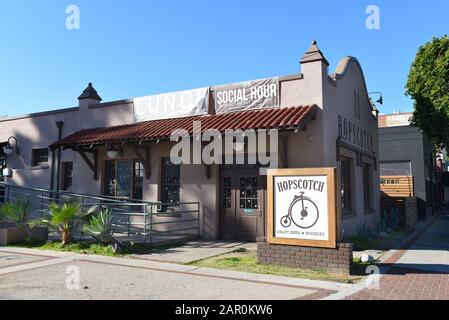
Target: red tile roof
{"points": [[278, 118]]}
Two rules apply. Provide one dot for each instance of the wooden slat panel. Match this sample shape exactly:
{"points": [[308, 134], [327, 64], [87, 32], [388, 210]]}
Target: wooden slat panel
{"points": [[397, 186]]}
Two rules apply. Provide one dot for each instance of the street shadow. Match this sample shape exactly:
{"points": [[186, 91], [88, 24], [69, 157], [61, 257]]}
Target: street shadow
{"points": [[412, 268]]}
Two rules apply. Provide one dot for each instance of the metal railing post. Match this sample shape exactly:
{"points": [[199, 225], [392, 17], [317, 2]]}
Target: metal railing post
{"points": [[198, 217], [144, 224], [129, 226], [151, 225], [42, 200]]}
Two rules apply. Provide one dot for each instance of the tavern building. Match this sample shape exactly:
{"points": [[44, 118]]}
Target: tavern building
{"points": [[122, 148]]}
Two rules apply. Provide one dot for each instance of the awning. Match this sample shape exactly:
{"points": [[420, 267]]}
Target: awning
{"points": [[279, 118]]}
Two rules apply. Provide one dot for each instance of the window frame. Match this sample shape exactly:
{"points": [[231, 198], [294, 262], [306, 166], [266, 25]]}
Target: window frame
{"points": [[63, 185], [133, 163], [34, 156], [163, 196], [346, 186], [367, 182]]}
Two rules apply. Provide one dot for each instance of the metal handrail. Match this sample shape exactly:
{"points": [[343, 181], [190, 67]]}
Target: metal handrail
{"points": [[151, 212]]}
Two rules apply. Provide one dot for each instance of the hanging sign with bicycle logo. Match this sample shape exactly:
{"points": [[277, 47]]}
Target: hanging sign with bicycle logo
{"points": [[302, 207]]}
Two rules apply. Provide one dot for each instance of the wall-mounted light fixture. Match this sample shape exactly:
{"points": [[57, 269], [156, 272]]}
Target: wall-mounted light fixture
{"points": [[112, 152], [380, 100], [8, 149]]}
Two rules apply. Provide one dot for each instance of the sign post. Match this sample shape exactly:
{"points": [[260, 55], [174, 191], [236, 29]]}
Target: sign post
{"points": [[302, 207]]}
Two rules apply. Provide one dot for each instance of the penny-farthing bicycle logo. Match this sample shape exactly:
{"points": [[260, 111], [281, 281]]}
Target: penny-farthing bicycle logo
{"points": [[303, 212]]}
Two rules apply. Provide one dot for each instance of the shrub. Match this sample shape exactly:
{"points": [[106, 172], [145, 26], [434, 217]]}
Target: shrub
{"points": [[363, 230], [393, 218], [100, 227], [18, 213], [64, 220]]}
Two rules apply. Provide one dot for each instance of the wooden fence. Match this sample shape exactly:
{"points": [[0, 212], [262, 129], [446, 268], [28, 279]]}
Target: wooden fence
{"points": [[407, 207], [397, 186], [399, 192]]}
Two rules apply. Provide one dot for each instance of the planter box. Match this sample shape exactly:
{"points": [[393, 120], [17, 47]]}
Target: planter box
{"points": [[12, 234]]}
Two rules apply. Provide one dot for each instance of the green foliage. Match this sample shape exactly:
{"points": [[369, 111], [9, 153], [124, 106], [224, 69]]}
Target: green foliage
{"points": [[64, 220], [428, 86], [82, 247], [392, 218], [247, 262], [16, 212], [100, 227], [364, 231]]}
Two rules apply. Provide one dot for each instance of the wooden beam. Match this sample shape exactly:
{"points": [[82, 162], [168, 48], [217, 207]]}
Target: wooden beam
{"points": [[284, 153], [144, 159], [90, 164], [338, 153], [95, 154]]}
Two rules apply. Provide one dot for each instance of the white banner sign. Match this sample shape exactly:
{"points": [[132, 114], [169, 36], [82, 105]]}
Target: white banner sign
{"points": [[301, 207], [247, 95], [171, 105]]}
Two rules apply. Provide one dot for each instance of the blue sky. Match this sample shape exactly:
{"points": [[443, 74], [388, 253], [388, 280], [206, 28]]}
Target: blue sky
{"points": [[137, 47]]}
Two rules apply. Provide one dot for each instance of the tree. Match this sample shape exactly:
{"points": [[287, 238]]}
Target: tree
{"points": [[428, 86]]}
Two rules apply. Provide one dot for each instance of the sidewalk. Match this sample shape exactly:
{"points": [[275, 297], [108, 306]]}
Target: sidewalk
{"points": [[35, 274], [419, 271]]}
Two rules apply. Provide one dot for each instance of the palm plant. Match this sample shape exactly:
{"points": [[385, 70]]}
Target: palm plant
{"points": [[100, 226], [18, 213], [64, 220]]}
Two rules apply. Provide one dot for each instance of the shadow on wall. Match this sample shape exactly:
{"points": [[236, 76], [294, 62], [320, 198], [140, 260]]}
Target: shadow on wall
{"points": [[31, 134]]}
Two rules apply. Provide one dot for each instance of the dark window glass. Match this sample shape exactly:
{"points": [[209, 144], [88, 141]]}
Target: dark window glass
{"points": [[227, 202], [67, 176], [170, 181], [123, 179], [39, 157], [248, 193], [345, 185], [109, 181], [366, 186], [138, 180]]}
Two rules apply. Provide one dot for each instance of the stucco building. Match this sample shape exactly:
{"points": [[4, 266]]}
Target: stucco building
{"points": [[122, 148]]}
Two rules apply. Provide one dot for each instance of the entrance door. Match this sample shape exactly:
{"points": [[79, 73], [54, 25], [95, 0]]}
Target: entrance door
{"points": [[242, 205]]}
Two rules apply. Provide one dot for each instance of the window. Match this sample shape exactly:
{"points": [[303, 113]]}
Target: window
{"points": [[170, 181], [345, 185], [39, 157], [366, 186], [248, 193], [66, 176], [123, 179], [227, 193]]}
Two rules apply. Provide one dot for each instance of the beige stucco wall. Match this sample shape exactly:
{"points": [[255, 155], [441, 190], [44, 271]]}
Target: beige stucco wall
{"points": [[317, 146], [313, 147], [339, 100]]}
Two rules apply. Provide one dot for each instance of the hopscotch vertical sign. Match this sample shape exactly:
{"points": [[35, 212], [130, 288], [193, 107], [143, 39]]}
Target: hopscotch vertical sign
{"points": [[302, 207]]}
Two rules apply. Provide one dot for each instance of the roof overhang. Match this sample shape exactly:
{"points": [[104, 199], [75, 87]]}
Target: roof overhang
{"points": [[292, 118]]}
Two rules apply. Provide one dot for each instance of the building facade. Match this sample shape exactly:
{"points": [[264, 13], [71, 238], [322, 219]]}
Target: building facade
{"points": [[405, 151], [123, 148]]}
